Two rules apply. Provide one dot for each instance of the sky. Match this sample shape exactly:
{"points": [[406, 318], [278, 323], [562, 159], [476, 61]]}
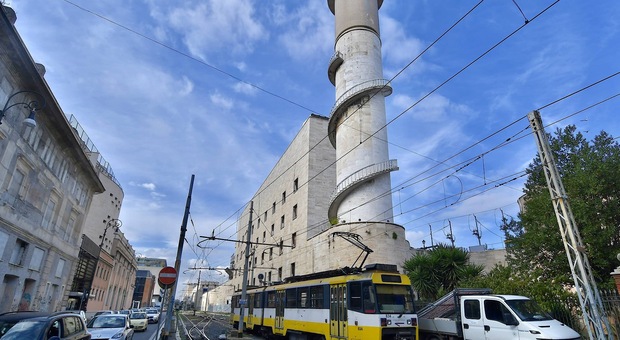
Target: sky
{"points": [[218, 89]]}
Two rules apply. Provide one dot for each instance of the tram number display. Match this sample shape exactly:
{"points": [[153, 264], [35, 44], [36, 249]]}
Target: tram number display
{"points": [[243, 302]]}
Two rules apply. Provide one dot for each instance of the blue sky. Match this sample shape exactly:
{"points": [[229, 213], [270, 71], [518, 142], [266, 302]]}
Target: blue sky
{"points": [[167, 89]]}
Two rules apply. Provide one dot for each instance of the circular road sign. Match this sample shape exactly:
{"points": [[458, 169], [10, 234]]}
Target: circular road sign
{"points": [[167, 276]]}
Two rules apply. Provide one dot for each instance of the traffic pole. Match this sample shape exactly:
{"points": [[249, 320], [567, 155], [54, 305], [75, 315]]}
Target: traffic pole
{"points": [[177, 263], [244, 284]]}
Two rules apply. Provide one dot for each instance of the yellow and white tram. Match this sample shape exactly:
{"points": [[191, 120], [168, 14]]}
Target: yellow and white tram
{"points": [[373, 303]]}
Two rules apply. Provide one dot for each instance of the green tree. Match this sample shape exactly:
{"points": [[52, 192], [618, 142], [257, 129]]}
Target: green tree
{"points": [[590, 173], [439, 270]]}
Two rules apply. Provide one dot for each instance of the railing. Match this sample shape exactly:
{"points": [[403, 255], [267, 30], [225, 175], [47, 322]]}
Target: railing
{"points": [[382, 84], [334, 62], [365, 173], [355, 179]]}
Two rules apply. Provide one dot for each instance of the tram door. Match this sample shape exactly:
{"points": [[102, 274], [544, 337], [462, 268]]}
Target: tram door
{"points": [[338, 311], [280, 303], [250, 322]]}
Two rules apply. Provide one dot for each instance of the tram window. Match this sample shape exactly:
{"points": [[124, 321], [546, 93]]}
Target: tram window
{"points": [[271, 299], [291, 298], [355, 296], [257, 300], [302, 297], [368, 296], [316, 297]]}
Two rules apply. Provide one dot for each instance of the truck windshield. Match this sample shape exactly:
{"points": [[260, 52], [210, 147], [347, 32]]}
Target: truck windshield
{"points": [[528, 310], [394, 299]]}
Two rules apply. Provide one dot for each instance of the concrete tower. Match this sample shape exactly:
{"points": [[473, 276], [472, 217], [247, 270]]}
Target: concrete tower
{"points": [[357, 120], [361, 204]]}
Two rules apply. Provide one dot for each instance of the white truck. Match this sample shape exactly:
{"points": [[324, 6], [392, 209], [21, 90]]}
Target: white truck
{"points": [[476, 314]]}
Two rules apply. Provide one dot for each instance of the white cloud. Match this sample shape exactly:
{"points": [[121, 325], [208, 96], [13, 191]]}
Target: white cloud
{"points": [[209, 26]]}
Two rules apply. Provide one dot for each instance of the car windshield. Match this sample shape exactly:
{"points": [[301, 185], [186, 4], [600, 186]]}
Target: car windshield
{"points": [[137, 316], [27, 329], [528, 310], [107, 321]]}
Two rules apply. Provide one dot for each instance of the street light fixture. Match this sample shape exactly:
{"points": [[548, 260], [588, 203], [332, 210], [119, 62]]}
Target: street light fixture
{"points": [[32, 105], [112, 223]]}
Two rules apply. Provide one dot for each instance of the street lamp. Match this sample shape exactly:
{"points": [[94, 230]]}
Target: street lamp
{"points": [[32, 105], [112, 223]]}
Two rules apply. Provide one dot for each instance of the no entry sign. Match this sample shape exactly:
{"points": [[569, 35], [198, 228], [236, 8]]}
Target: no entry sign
{"points": [[167, 276]]}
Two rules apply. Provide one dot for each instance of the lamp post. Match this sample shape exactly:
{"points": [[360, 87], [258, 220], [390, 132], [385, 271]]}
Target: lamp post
{"points": [[32, 105], [112, 223]]}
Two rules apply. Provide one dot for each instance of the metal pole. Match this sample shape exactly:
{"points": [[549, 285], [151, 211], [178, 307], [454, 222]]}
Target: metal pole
{"points": [[244, 284], [158, 328], [177, 263], [196, 297]]}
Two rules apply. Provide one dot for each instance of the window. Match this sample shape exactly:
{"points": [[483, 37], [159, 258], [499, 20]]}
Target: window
{"points": [[273, 208], [293, 269], [270, 253], [295, 211], [271, 299], [283, 197], [291, 298], [295, 184], [472, 309], [281, 247], [294, 240], [316, 297], [51, 212], [17, 256], [262, 258], [265, 216], [273, 226], [60, 268], [302, 297], [37, 259], [4, 239], [17, 183], [264, 236], [280, 274], [282, 222]]}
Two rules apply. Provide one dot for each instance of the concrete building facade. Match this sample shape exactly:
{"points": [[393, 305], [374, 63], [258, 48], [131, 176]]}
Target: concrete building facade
{"points": [[113, 258], [154, 265], [46, 185], [327, 203]]}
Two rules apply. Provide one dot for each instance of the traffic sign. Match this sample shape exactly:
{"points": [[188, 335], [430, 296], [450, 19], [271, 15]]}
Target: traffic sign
{"points": [[167, 276]]}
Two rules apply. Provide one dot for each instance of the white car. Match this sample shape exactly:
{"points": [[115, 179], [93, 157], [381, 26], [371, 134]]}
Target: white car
{"points": [[110, 326], [153, 315]]}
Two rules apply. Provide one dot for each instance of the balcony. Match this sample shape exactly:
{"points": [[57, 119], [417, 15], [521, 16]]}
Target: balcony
{"points": [[334, 63], [356, 179], [370, 88]]}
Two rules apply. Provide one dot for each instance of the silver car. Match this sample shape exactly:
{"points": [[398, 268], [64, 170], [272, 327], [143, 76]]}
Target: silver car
{"points": [[110, 326]]}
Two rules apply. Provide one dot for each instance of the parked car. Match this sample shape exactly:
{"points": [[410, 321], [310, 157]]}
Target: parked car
{"points": [[9, 319], [153, 315], [66, 326], [110, 326], [78, 312], [139, 321]]}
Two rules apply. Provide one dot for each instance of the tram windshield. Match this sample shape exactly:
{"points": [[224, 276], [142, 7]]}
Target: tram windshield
{"points": [[371, 298], [394, 299]]}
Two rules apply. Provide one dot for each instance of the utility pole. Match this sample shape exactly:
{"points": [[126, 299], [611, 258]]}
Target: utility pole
{"points": [[476, 231], [177, 263], [585, 286], [450, 236], [431, 230], [196, 297], [244, 284]]}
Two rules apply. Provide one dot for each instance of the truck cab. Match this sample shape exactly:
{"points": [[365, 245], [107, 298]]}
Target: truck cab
{"points": [[509, 317], [476, 314]]}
